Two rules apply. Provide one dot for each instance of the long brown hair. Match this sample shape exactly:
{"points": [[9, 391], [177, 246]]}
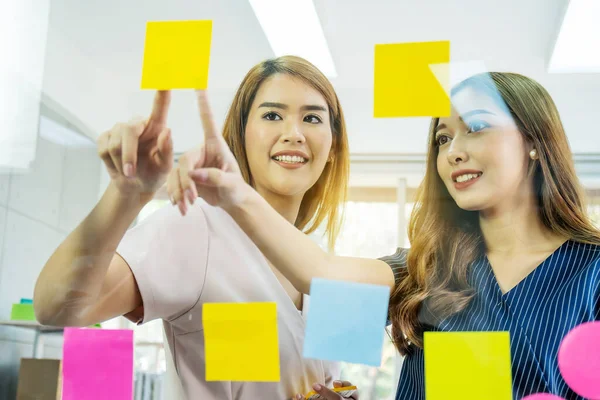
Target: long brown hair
{"points": [[446, 240], [326, 198]]}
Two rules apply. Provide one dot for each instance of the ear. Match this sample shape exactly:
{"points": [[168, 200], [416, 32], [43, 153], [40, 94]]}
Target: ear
{"points": [[331, 156]]}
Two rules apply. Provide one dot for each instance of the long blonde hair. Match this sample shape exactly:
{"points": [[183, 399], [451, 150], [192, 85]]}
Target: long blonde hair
{"points": [[325, 199], [446, 240]]}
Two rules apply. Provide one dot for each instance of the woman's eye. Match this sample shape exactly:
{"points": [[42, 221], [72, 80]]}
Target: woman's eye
{"points": [[477, 126], [313, 119], [271, 116], [442, 139]]}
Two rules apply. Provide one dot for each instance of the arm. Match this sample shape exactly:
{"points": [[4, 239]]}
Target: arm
{"points": [[85, 281], [217, 179], [295, 254]]}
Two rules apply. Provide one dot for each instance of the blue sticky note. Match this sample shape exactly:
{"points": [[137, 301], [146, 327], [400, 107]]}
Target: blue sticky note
{"points": [[346, 322], [26, 301]]}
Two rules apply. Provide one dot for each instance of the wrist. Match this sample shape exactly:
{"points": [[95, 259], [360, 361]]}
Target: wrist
{"points": [[134, 201], [248, 200]]}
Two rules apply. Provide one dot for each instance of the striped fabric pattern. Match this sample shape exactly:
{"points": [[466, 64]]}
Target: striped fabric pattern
{"points": [[561, 293]]}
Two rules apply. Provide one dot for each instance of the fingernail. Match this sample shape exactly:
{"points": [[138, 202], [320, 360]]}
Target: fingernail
{"points": [[337, 382], [201, 175], [128, 169], [299, 397], [317, 387], [190, 195]]}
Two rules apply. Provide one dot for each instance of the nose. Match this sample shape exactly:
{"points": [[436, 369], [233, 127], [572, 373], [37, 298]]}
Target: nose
{"points": [[457, 152], [293, 134]]}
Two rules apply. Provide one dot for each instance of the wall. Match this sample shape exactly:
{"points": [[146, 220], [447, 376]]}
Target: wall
{"points": [[38, 208]]}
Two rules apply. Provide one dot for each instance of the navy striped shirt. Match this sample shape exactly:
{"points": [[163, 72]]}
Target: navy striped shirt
{"points": [[561, 293]]}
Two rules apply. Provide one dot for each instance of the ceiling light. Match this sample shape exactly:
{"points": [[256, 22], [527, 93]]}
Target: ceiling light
{"points": [[575, 50], [293, 28]]}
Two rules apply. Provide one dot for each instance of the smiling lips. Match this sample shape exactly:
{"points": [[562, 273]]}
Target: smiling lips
{"points": [[290, 159], [465, 178]]}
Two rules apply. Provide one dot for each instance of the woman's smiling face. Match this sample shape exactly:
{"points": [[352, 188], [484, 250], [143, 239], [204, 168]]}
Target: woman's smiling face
{"points": [[288, 136]]}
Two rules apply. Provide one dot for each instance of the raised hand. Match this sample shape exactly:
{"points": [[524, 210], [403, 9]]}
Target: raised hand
{"points": [[209, 171], [139, 154]]}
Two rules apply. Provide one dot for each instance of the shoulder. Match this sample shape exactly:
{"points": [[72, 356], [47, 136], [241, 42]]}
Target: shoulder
{"points": [[583, 255], [583, 262], [199, 216], [397, 262], [398, 259]]}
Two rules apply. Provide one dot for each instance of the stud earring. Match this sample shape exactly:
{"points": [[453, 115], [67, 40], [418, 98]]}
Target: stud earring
{"points": [[533, 155]]}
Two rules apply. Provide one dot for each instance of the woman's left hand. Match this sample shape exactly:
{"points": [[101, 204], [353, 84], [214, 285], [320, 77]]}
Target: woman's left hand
{"points": [[209, 171], [329, 394]]}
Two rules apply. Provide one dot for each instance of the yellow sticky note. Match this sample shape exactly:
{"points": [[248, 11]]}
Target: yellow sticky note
{"points": [[241, 342], [176, 55], [467, 365], [405, 85]]}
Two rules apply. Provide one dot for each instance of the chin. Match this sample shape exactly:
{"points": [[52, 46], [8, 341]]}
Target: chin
{"points": [[289, 188], [470, 203]]}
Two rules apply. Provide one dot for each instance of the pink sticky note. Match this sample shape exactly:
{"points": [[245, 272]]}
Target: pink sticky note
{"points": [[543, 396], [97, 364], [579, 359]]}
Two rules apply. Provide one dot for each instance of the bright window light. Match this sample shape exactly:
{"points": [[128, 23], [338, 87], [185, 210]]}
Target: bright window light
{"points": [[576, 48], [293, 28]]}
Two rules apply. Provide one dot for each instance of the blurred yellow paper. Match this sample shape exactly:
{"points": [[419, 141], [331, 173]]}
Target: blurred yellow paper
{"points": [[241, 342], [404, 84], [176, 55], [467, 365]]}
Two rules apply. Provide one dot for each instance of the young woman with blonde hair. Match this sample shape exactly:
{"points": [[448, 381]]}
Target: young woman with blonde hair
{"points": [[500, 238], [287, 132]]}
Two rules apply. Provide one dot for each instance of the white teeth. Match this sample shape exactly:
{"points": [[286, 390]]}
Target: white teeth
{"points": [[466, 177], [290, 159]]}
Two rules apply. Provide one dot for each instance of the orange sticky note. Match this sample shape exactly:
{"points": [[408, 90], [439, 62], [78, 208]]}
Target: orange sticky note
{"points": [[467, 365], [176, 55], [241, 342], [405, 85]]}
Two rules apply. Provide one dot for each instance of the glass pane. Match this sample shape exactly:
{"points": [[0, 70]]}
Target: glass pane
{"points": [[370, 230]]}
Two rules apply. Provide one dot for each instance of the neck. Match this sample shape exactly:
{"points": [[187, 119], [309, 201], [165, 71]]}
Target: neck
{"points": [[515, 228], [287, 206]]}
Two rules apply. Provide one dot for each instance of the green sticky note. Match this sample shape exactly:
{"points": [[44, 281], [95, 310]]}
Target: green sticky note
{"points": [[467, 365], [22, 312]]}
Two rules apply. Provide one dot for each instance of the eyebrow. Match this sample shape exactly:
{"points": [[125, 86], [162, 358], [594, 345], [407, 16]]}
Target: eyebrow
{"points": [[309, 107], [465, 116]]}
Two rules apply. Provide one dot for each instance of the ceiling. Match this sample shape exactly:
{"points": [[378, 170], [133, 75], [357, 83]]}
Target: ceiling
{"points": [[94, 55]]}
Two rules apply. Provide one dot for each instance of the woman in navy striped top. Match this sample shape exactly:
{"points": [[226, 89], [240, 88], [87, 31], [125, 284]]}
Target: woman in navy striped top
{"points": [[500, 239]]}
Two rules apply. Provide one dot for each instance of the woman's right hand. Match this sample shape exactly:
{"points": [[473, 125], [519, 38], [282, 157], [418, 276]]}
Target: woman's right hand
{"points": [[139, 154], [209, 171]]}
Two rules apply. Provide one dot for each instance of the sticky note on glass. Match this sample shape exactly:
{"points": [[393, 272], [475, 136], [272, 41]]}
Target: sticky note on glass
{"points": [[22, 312], [97, 364], [467, 365], [176, 55], [346, 322], [404, 84], [241, 342]]}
